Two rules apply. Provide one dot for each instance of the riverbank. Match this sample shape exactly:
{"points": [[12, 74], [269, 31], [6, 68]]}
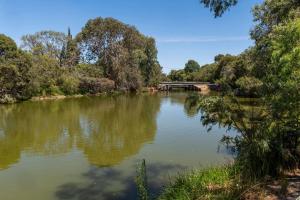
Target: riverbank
{"points": [[227, 183], [9, 100]]}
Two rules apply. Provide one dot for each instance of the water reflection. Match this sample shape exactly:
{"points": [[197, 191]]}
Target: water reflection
{"points": [[106, 130], [89, 147], [103, 183], [245, 115]]}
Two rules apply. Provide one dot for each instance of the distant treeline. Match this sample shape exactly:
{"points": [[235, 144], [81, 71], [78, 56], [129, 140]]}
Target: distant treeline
{"points": [[106, 55], [237, 73]]}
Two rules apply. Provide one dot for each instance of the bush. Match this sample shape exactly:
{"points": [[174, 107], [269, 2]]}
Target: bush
{"points": [[7, 99], [249, 86], [89, 85], [53, 90], [89, 70], [69, 85]]}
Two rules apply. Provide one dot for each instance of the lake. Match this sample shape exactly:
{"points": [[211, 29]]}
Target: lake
{"points": [[89, 148]]}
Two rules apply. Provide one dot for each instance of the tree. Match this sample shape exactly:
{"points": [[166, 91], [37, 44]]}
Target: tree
{"points": [[222, 61], [14, 72], [249, 86], [272, 143], [219, 6], [283, 81], [267, 16], [126, 56], [177, 75], [45, 72], [49, 43], [150, 67], [191, 66], [70, 54], [8, 47], [205, 74]]}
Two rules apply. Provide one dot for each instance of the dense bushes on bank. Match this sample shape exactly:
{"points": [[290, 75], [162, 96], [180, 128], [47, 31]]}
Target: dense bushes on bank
{"points": [[95, 85]]}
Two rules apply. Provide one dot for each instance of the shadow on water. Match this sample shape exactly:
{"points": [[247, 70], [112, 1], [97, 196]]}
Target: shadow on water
{"points": [[103, 180]]}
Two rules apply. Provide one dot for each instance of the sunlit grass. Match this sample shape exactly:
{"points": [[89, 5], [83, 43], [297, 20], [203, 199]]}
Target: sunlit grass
{"points": [[210, 183]]}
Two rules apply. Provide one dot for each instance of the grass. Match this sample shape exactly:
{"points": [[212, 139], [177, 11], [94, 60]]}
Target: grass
{"points": [[217, 183], [211, 183]]}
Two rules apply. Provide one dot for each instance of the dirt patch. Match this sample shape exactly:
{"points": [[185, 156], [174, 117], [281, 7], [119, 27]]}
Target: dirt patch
{"points": [[287, 188]]}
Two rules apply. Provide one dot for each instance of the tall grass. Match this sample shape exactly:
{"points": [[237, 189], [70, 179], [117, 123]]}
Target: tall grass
{"points": [[141, 181], [211, 183]]}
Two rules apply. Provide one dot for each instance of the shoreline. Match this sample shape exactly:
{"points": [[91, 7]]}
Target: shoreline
{"points": [[61, 96]]}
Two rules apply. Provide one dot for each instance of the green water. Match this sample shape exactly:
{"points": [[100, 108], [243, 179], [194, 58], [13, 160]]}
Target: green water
{"points": [[88, 148]]}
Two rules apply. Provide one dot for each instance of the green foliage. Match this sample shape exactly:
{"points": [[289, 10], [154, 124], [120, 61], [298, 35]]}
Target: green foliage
{"points": [[256, 145], [150, 67], [43, 43], [225, 71], [191, 66], [70, 54], [7, 99], [205, 74], [8, 47], [90, 85], [141, 182], [45, 73], [269, 141], [127, 57], [69, 84], [219, 6], [249, 86], [268, 16], [114, 56], [177, 75], [211, 183], [89, 70], [14, 71]]}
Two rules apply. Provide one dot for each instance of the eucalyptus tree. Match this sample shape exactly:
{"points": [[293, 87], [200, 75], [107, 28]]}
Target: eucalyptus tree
{"points": [[219, 6], [44, 43], [125, 55]]}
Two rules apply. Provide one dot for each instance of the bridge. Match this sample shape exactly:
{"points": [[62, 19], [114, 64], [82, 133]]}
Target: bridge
{"points": [[197, 86]]}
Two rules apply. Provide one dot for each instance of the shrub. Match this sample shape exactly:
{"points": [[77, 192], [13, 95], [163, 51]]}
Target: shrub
{"points": [[89, 70], [53, 90], [7, 99], [69, 85], [95, 85], [249, 86]]}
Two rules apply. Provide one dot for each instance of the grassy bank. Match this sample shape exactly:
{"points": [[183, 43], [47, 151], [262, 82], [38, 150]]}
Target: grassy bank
{"points": [[223, 183], [210, 183], [226, 183]]}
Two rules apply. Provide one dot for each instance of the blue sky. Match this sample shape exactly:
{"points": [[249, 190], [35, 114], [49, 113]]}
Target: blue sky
{"points": [[183, 29]]}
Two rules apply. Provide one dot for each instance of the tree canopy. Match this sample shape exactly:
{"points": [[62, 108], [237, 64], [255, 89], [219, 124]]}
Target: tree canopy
{"points": [[126, 56], [219, 6], [191, 66], [106, 55]]}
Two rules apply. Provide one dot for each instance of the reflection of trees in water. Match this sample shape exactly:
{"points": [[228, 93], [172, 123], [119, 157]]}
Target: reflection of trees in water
{"points": [[106, 129], [188, 100], [242, 114], [123, 129], [245, 115]]}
